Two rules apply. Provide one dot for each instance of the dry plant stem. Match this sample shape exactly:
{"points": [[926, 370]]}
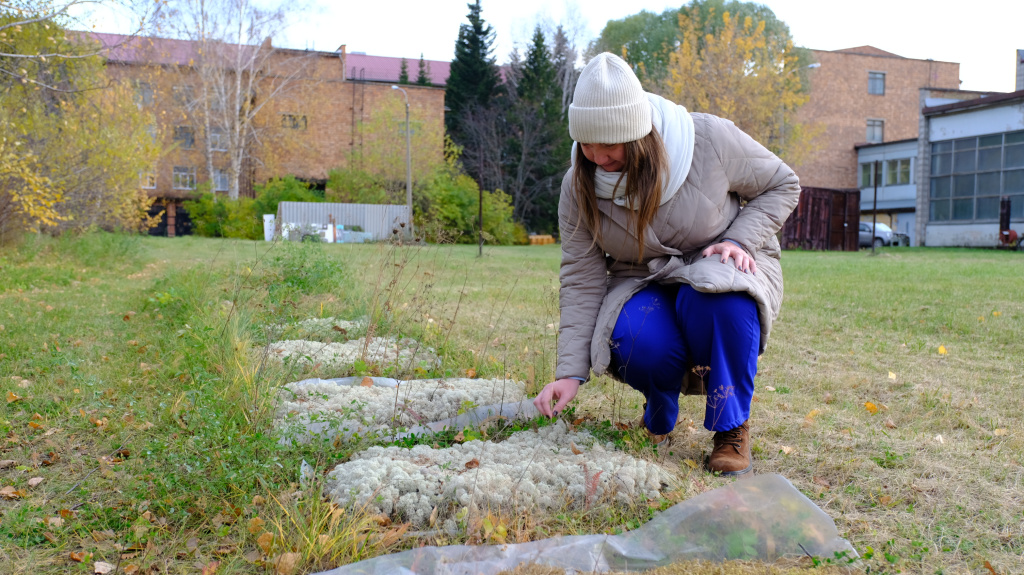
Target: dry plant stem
{"points": [[501, 314]]}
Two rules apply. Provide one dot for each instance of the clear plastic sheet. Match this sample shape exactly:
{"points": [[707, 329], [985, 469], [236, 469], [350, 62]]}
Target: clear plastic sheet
{"points": [[762, 517], [473, 417]]}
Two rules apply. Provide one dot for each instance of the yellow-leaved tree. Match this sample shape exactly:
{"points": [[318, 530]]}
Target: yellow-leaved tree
{"points": [[735, 71], [72, 140]]}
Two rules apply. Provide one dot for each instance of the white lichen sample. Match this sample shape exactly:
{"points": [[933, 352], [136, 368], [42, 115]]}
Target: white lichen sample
{"points": [[532, 470], [405, 353], [364, 408], [319, 329]]}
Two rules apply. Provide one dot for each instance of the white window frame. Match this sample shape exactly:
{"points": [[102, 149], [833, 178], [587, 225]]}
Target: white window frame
{"points": [[218, 139], [880, 125], [870, 83], [221, 180], [183, 177]]}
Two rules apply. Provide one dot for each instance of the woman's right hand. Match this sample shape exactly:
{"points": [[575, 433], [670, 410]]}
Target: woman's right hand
{"points": [[562, 390]]}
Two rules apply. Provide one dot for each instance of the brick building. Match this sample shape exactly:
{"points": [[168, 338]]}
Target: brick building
{"points": [[859, 96], [316, 111]]}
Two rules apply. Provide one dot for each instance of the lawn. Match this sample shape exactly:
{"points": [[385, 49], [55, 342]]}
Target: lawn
{"points": [[138, 408]]}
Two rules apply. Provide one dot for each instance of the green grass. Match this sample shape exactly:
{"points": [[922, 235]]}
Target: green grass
{"points": [[137, 363]]}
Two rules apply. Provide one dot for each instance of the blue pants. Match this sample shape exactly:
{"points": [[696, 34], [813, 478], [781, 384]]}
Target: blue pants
{"points": [[664, 330]]}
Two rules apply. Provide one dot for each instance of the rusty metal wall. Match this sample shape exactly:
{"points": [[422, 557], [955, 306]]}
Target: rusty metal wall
{"points": [[378, 220], [825, 219]]}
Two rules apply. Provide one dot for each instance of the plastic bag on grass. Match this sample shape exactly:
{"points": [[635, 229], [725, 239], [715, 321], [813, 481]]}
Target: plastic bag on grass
{"points": [[760, 518]]}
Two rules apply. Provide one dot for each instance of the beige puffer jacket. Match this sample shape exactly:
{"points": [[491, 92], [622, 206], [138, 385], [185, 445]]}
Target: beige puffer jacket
{"points": [[729, 169]]}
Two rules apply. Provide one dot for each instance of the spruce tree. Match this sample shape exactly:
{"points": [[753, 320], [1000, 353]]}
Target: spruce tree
{"points": [[403, 72], [423, 78], [473, 79]]}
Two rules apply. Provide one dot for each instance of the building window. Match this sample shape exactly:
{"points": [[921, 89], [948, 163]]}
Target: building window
{"points": [[184, 178], [221, 183], [875, 133], [147, 180], [867, 175], [969, 175], [897, 172], [143, 94], [185, 137], [218, 140], [293, 121], [183, 95], [876, 83]]}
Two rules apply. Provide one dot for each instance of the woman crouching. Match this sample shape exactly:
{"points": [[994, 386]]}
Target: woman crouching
{"points": [[670, 265]]}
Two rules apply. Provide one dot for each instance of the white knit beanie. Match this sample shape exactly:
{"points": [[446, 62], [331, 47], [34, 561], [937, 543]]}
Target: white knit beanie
{"points": [[609, 105]]}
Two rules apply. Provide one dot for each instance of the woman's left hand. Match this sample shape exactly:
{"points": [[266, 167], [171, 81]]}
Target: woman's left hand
{"points": [[744, 261]]}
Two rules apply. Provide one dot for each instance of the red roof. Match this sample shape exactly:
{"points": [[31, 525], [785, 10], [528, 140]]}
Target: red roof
{"points": [[165, 51], [387, 69]]}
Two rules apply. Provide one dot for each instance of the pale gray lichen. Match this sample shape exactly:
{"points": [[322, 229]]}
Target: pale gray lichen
{"points": [[405, 353], [530, 470], [325, 329], [329, 407]]}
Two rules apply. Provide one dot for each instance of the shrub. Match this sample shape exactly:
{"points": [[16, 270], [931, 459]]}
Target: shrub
{"points": [[353, 186], [220, 217], [448, 207], [286, 189]]}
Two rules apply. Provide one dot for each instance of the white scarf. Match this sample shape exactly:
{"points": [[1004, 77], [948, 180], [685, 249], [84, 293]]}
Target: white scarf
{"points": [[675, 126]]}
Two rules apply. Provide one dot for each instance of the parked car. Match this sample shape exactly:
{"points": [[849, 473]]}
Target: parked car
{"points": [[882, 235]]}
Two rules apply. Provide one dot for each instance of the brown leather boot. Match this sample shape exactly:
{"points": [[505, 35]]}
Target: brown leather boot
{"points": [[731, 455]]}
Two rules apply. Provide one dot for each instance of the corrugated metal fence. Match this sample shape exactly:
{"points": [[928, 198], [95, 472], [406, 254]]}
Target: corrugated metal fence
{"points": [[378, 220]]}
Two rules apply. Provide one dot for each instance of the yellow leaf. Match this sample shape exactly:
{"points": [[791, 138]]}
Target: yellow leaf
{"points": [[255, 524], [576, 450], [892, 376], [999, 432], [997, 313], [872, 408], [11, 397], [942, 350], [786, 449], [691, 463]]}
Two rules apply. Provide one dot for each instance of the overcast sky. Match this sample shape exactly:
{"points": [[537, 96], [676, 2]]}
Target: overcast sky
{"points": [[984, 41]]}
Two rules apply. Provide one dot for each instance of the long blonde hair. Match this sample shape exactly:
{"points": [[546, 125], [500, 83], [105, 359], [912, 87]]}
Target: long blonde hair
{"points": [[645, 165]]}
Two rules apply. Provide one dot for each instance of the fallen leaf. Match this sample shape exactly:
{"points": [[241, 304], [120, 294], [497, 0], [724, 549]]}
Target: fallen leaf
{"points": [[265, 541], [34, 425], [55, 522], [210, 568], [131, 569], [287, 563], [78, 556], [829, 398], [940, 440], [822, 482], [252, 556], [367, 382], [892, 376], [66, 513], [786, 449], [942, 350], [258, 500], [691, 463], [997, 313], [473, 463], [11, 397], [872, 408], [459, 437], [576, 450], [811, 415], [50, 537], [5, 463], [255, 525], [192, 544], [51, 458], [769, 388], [9, 492], [890, 424], [128, 316], [999, 432], [102, 568], [990, 568], [885, 500]]}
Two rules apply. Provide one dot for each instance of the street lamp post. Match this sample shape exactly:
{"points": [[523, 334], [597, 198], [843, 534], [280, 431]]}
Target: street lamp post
{"points": [[408, 163]]}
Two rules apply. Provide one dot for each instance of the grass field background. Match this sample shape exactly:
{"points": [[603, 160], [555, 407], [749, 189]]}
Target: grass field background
{"points": [[138, 407]]}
